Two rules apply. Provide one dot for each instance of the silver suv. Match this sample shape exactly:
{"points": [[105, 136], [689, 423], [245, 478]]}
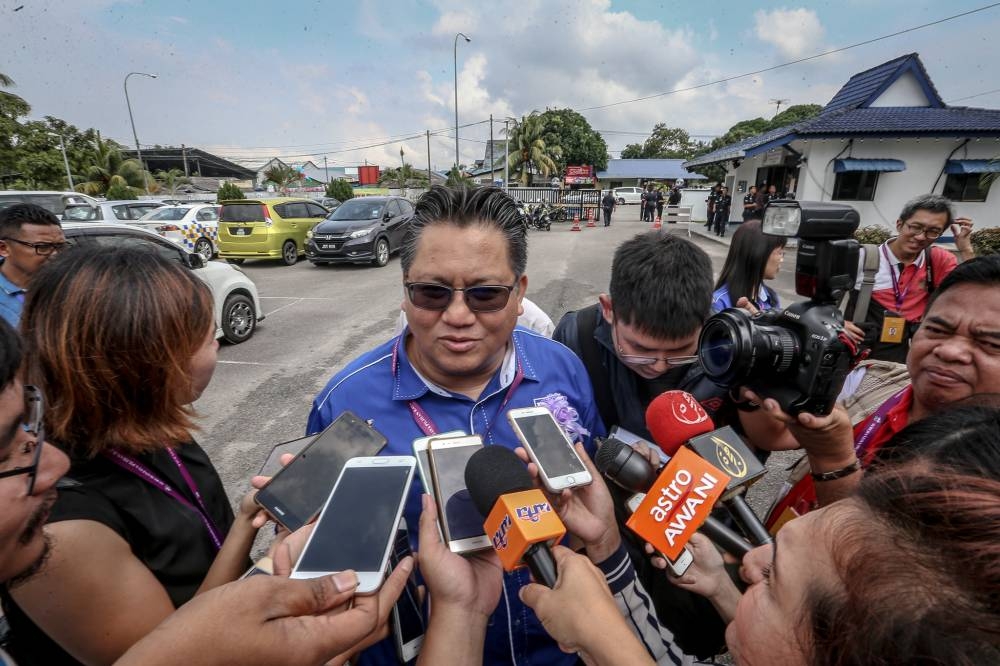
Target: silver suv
{"points": [[628, 195]]}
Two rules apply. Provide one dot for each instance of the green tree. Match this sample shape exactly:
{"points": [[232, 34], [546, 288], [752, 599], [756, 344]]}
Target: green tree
{"points": [[577, 141], [169, 180], [119, 189], [404, 176], [456, 178], [228, 191], [663, 143], [12, 107], [106, 164], [528, 151], [339, 189], [795, 114], [282, 176]]}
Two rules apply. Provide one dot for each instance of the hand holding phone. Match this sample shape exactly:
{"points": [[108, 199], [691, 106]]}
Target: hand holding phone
{"points": [[461, 523], [549, 448], [408, 627]]}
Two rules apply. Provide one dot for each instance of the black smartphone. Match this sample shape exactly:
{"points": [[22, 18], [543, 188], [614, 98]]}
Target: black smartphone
{"points": [[297, 492], [273, 464], [408, 627]]}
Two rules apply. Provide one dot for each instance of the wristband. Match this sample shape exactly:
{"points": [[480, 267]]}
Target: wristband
{"points": [[838, 473]]}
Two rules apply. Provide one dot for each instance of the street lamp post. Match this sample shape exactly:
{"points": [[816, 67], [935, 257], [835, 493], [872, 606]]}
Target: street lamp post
{"points": [[456, 94], [145, 177], [62, 147], [402, 165]]}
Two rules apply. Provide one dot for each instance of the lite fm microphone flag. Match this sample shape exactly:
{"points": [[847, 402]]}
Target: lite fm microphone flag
{"points": [[520, 522], [676, 419]]}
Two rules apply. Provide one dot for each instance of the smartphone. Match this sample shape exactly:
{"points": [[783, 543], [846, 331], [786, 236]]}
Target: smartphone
{"points": [[548, 447], [273, 464], [420, 453], [460, 521], [357, 526], [676, 567], [262, 567], [407, 617], [296, 493]]}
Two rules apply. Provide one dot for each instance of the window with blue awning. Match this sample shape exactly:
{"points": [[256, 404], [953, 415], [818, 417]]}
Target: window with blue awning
{"points": [[972, 166], [853, 164]]}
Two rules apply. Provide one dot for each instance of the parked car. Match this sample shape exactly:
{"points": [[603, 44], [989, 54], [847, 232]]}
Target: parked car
{"points": [[236, 304], [194, 228], [110, 211], [329, 203], [54, 202], [628, 195], [362, 230], [266, 228]]}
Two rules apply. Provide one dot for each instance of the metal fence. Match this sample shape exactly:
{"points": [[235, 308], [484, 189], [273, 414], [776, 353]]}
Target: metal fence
{"points": [[575, 202]]}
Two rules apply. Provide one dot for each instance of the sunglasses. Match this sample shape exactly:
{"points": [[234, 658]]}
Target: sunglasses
{"points": [[34, 411], [41, 249], [481, 298]]}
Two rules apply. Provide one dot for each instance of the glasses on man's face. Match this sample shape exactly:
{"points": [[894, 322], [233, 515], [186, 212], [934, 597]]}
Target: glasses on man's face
{"points": [[41, 249], [34, 411], [481, 298], [930, 233], [640, 360]]}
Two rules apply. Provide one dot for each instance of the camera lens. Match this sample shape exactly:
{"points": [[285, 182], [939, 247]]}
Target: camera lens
{"points": [[733, 347]]}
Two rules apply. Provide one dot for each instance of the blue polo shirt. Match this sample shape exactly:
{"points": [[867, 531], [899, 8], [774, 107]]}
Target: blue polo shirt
{"points": [[371, 388], [11, 301]]}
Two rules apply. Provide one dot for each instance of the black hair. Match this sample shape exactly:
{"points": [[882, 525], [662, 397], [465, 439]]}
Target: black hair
{"points": [[932, 203], [662, 285], [463, 207], [12, 218], [10, 354], [743, 272], [982, 272]]}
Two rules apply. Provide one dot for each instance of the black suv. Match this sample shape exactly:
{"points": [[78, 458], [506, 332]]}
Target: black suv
{"points": [[361, 230]]}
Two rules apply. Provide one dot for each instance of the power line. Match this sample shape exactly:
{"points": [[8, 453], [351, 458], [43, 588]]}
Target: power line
{"points": [[792, 62], [988, 92]]}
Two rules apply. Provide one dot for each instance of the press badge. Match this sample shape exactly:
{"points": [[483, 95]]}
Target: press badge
{"points": [[892, 329]]}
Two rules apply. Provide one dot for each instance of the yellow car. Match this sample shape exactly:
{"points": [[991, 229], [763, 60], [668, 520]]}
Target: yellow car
{"points": [[266, 228]]}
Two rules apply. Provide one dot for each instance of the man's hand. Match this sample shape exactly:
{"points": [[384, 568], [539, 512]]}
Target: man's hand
{"points": [[854, 332], [962, 230], [825, 438]]}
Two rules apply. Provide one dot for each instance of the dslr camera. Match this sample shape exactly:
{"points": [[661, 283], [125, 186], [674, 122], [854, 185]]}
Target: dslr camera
{"points": [[798, 356]]}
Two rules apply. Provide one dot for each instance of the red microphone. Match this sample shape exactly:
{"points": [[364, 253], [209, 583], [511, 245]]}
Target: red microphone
{"points": [[676, 419]]}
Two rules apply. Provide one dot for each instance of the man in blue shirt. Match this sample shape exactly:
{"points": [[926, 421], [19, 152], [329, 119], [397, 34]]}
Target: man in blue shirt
{"points": [[29, 236], [461, 364]]}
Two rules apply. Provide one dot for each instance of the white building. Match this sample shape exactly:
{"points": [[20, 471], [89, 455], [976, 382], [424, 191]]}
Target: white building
{"points": [[884, 138]]}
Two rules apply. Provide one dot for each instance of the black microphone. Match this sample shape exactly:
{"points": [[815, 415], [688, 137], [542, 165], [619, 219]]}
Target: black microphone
{"points": [[629, 470]]}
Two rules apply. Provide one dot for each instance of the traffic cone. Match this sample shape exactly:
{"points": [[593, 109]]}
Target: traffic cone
{"points": [[657, 224], [590, 218], [576, 223]]}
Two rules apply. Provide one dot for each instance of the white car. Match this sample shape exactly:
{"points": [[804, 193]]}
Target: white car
{"points": [[236, 304], [111, 211], [194, 227]]}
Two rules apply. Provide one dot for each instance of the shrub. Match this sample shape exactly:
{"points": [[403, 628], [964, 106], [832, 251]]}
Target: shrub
{"points": [[229, 191], [339, 189], [118, 191], [986, 241], [873, 234]]}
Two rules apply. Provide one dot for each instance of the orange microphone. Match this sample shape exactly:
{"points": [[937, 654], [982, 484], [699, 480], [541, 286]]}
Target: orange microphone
{"points": [[519, 519]]}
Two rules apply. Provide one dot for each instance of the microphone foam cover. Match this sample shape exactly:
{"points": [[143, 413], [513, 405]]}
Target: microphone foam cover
{"points": [[674, 417], [493, 471], [606, 454]]}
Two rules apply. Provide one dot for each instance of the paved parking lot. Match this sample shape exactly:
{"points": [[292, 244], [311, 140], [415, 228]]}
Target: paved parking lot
{"points": [[319, 318]]}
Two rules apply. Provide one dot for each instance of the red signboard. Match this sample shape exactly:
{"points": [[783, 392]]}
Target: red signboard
{"points": [[579, 175]]}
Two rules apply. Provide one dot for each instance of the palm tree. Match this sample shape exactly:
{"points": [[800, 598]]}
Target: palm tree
{"points": [[171, 179], [528, 151], [405, 176], [282, 176], [107, 167], [10, 103]]}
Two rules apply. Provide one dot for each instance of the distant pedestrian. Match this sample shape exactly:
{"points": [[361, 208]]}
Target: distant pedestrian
{"points": [[761, 199], [642, 204], [713, 197], [750, 211], [722, 207], [674, 200], [649, 204], [660, 200], [608, 203], [772, 193]]}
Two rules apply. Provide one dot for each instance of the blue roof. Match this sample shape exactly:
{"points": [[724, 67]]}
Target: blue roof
{"points": [[903, 120], [854, 164], [648, 169], [865, 87], [972, 166]]}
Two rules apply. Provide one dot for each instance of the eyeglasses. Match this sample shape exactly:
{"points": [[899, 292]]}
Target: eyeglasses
{"points": [[917, 229], [481, 298], [34, 411], [41, 249], [636, 359]]}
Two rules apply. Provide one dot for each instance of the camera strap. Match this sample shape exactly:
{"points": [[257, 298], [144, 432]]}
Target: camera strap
{"points": [[898, 291]]}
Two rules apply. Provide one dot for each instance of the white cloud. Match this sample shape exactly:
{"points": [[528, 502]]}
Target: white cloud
{"points": [[179, 19], [795, 32]]}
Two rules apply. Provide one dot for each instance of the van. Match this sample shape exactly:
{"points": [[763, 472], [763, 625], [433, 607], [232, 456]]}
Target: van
{"points": [[266, 228], [52, 201]]}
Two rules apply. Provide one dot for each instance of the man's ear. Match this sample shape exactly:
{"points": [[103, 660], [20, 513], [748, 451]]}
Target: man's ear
{"points": [[4, 249], [607, 311], [899, 225], [522, 286]]}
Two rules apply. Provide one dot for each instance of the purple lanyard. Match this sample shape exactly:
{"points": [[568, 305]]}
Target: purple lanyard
{"points": [[875, 422], [900, 296], [423, 419], [133, 466]]}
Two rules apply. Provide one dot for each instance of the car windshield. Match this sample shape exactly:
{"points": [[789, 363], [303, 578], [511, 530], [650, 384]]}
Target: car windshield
{"points": [[168, 214], [357, 209], [80, 213]]}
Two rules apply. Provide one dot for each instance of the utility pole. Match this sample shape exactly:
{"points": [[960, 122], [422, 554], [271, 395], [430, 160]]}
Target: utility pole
{"points": [[138, 150], [506, 157], [62, 146], [492, 159], [778, 103], [456, 95], [428, 133], [327, 170], [402, 165], [184, 158]]}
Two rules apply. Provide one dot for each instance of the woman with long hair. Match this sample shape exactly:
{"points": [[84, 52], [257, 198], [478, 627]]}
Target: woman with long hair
{"points": [[122, 341], [753, 257]]}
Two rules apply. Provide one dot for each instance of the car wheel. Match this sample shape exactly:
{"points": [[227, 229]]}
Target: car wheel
{"points": [[237, 262], [203, 246], [621, 201], [381, 252], [289, 253], [239, 319]]}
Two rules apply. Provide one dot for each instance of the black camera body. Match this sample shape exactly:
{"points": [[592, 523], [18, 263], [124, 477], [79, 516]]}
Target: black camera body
{"points": [[799, 355]]}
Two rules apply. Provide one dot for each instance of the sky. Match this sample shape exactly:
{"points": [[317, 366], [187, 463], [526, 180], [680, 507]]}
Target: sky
{"points": [[317, 78]]}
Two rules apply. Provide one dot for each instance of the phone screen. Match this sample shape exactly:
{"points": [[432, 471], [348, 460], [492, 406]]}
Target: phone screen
{"points": [[358, 522], [409, 620], [273, 464], [549, 445], [297, 493], [463, 519]]}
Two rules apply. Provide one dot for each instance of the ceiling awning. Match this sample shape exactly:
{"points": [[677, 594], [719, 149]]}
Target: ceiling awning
{"points": [[972, 166], [851, 164]]}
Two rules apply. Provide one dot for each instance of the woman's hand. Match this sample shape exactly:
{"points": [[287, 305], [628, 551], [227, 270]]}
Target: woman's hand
{"points": [[706, 575]]}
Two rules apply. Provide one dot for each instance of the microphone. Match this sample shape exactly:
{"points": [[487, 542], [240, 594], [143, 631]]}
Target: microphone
{"points": [[629, 470], [519, 519], [675, 418]]}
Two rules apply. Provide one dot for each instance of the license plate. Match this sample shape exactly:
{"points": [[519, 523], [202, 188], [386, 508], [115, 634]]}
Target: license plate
{"points": [[241, 231], [329, 246]]}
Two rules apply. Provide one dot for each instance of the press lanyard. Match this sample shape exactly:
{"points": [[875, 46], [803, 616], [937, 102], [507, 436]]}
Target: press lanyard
{"points": [[877, 419], [900, 296], [423, 419], [133, 466]]}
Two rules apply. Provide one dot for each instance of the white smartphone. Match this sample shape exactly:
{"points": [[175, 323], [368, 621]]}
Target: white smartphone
{"points": [[676, 567], [407, 616], [548, 447], [357, 526], [423, 463], [460, 521]]}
